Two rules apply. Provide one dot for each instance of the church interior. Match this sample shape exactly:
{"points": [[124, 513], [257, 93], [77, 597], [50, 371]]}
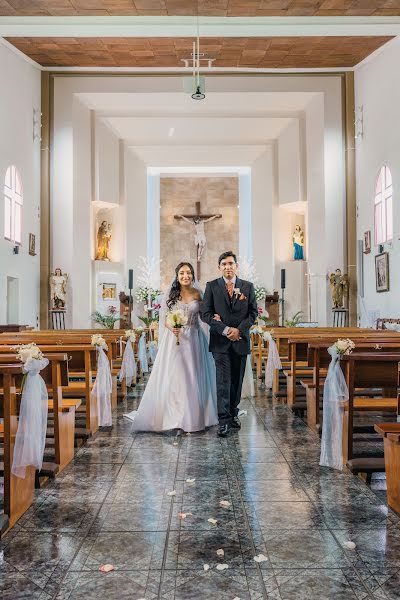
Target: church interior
{"points": [[138, 135]]}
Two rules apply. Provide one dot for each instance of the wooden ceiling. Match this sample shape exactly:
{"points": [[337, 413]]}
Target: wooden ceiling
{"points": [[273, 52], [230, 8]]}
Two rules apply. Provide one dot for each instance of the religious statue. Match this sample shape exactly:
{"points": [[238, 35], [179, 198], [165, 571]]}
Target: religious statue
{"points": [[200, 234], [103, 241], [58, 290], [298, 243], [339, 287]]}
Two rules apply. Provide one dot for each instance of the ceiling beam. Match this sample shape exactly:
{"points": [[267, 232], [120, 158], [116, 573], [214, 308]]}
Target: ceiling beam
{"points": [[187, 26]]}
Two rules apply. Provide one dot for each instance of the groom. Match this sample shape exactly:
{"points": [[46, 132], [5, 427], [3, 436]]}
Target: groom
{"points": [[229, 307]]}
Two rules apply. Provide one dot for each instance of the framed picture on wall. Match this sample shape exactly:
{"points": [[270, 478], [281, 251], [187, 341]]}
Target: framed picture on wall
{"points": [[109, 291], [382, 272], [367, 242], [32, 244]]}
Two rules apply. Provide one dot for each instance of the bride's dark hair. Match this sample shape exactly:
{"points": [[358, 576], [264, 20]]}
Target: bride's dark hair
{"points": [[175, 291]]}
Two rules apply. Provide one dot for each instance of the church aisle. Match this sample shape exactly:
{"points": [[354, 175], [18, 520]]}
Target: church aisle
{"points": [[111, 505]]}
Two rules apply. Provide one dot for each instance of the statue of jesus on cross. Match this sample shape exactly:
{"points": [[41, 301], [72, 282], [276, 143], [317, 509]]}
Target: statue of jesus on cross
{"points": [[200, 239]]}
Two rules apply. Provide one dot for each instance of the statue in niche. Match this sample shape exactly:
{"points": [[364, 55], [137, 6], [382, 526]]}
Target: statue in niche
{"points": [[58, 289], [339, 288], [103, 241], [298, 243]]}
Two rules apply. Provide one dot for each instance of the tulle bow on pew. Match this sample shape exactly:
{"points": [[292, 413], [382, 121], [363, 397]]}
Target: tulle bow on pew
{"points": [[128, 368], [142, 353], [273, 360], [32, 423], [152, 351], [102, 388], [335, 394]]}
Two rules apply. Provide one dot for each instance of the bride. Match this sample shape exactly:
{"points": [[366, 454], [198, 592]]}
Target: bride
{"points": [[181, 390]]}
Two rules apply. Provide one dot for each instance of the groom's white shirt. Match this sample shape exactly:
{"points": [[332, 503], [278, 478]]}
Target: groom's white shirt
{"points": [[225, 331]]}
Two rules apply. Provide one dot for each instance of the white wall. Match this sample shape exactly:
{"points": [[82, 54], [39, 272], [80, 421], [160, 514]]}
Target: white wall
{"points": [[20, 94], [377, 89]]}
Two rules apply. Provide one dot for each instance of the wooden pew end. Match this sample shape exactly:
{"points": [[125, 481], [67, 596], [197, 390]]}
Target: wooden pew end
{"points": [[366, 467], [48, 470], [4, 524]]}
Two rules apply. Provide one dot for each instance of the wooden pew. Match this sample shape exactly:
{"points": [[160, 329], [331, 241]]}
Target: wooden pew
{"points": [[368, 370], [61, 410], [319, 359], [391, 439], [18, 493], [82, 359], [284, 334]]}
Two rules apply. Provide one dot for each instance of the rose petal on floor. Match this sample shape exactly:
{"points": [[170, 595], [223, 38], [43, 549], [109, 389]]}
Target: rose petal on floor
{"points": [[173, 493], [106, 568], [260, 558], [225, 503], [206, 567], [183, 515], [349, 545], [222, 567], [220, 552], [213, 521], [191, 480]]}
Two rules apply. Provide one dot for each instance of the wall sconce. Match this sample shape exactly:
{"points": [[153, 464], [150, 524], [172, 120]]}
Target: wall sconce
{"points": [[359, 122]]}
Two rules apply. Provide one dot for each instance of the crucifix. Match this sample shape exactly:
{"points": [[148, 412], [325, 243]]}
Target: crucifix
{"points": [[200, 240]]}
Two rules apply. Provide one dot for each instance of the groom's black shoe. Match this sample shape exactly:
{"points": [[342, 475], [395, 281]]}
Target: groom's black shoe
{"points": [[236, 424], [223, 430]]}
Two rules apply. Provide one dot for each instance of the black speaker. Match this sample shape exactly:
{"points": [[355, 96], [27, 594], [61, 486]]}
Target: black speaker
{"points": [[283, 279], [130, 284], [16, 249]]}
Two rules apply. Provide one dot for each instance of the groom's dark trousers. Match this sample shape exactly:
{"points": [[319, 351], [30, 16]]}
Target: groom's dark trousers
{"points": [[240, 312]]}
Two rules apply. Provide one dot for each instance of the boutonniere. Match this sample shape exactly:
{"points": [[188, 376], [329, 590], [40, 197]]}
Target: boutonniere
{"points": [[239, 294]]}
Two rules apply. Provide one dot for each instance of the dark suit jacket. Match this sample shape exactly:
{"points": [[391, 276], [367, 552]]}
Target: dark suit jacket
{"points": [[236, 313]]}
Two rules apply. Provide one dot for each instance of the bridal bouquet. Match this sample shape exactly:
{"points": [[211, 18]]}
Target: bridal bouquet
{"points": [[98, 341], [27, 352], [177, 319], [344, 346]]}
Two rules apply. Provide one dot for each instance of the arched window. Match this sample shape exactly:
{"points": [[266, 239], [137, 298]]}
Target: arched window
{"points": [[383, 206], [13, 200]]}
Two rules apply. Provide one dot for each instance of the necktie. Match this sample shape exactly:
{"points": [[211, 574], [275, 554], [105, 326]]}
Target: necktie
{"points": [[229, 287]]}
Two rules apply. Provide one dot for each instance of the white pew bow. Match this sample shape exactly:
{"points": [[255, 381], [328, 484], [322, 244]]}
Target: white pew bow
{"points": [[142, 352], [335, 393], [273, 360], [128, 368], [102, 388], [32, 424]]}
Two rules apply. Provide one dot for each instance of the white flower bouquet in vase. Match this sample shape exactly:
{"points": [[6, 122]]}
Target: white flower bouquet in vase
{"points": [[176, 319]]}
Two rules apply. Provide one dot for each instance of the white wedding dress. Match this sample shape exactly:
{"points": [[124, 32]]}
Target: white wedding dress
{"points": [[181, 390]]}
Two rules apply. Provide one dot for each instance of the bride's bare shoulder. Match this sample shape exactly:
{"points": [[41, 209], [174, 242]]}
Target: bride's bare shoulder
{"points": [[196, 295]]}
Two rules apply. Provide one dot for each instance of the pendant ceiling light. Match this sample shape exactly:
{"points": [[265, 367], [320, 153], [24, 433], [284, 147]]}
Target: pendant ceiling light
{"points": [[198, 94]]}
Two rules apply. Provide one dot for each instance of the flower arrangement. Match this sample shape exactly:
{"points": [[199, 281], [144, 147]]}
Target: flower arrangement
{"points": [[344, 346], [176, 319], [108, 320], [27, 352], [256, 329], [130, 335], [144, 293], [152, 314], [261, 292], [263, 316], [295, 320], [269, 335], [98, 341], [139, 329]]}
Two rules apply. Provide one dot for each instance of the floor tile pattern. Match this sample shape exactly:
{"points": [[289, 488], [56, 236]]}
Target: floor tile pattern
{"points": [[111, 505]]}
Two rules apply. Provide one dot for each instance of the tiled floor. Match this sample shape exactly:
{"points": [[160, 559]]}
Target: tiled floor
{"points": [[111, 506]]}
